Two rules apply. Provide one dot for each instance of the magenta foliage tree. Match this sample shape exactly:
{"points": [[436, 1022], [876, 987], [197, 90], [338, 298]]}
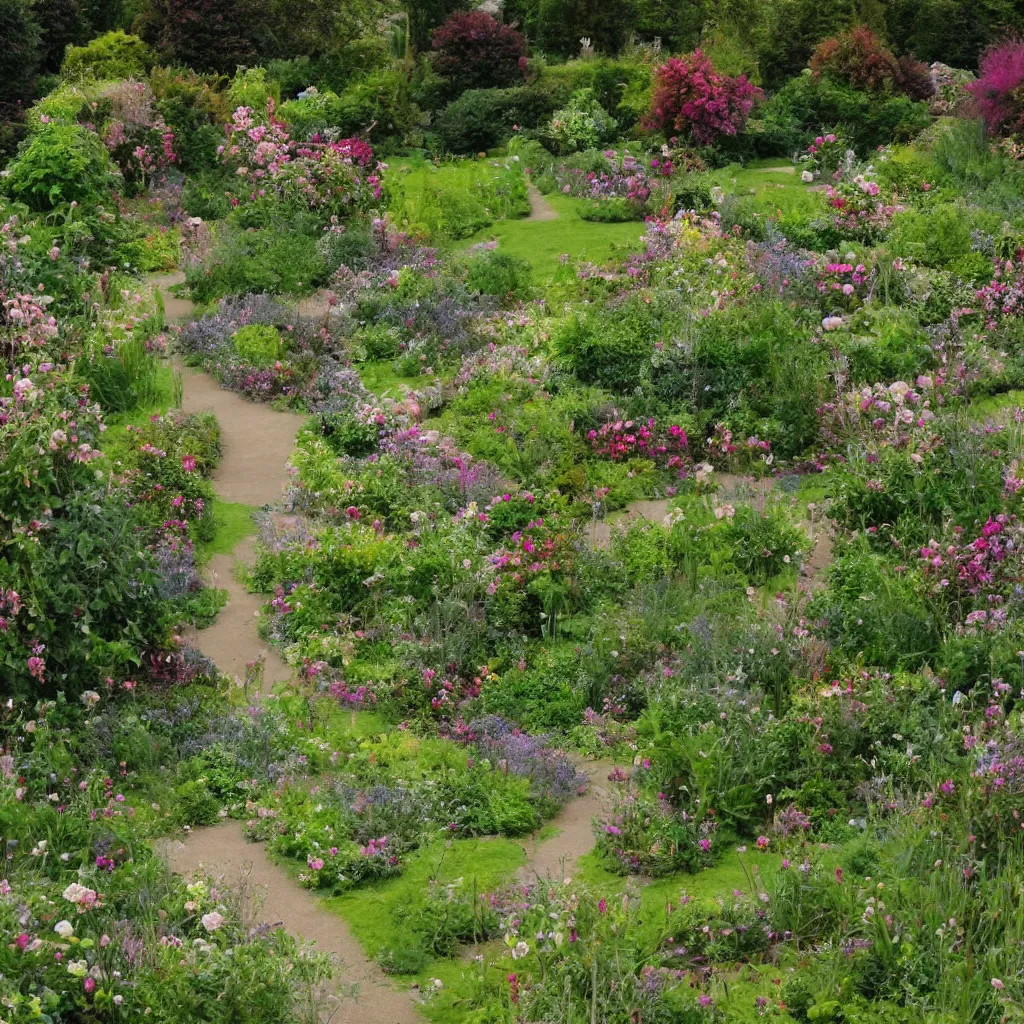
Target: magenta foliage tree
{"points": [[693, 99], [475, 51], [997, 89]]}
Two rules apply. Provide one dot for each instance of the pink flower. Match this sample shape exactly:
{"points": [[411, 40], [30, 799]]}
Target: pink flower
{"points": [[188, 463]]}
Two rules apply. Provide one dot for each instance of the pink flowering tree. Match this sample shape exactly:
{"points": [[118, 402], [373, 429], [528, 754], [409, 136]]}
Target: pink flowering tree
{"points": [[693, 99], [998, 90]]}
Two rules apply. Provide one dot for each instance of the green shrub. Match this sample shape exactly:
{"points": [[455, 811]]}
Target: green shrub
{"points": [[60, 163], [613, 349], [205, 196], [482, 119], [251, 88], [110, 56], [378, 106], [313, 114], [257, 344], [195, 804], [807, 106], [943, 237], [583, 124], [498, 273], [271, 260]]}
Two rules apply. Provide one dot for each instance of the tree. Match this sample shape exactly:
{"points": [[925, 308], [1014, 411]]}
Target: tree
{"points": [[208, 35], [20, 53], [474, 51], [561, 24], [425, 15], [950, 31]]}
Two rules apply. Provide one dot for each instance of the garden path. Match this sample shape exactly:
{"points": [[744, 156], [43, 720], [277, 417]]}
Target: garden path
{"points": [[556, 856], [222, 852], [540, 208], [256, 443]]}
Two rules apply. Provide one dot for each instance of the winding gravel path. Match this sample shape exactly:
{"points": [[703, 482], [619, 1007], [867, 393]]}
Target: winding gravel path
{"points": [[256, 442]]}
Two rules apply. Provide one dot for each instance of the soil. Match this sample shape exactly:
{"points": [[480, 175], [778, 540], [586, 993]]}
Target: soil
{"points": [[540, 208], [556, 856], [256, 443], [175, 309], [222, 852]]}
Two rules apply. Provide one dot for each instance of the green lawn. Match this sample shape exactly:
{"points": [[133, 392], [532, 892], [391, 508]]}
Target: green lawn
{"points": [[541, 243]]}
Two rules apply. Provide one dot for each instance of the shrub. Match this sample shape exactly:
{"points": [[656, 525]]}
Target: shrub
{"points": [[583, 124], [997, 90], [613, 350], [858, 58], [60, 163], [482, 119], [273, 261], [474, 51], [498, 273], [110, 56], [377, 106], [257, 344], [807, 106], [195, 108], [693, 99]]}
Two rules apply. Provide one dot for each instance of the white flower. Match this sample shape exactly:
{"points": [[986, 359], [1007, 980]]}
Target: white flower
{"points": [[807, 176], [78, 968], [65, 929], [212, 921], [521, 949], [89, 698]]}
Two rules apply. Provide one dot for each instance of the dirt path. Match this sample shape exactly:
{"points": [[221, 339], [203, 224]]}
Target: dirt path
{"points": [[256, 443], [540, 208], [556, 856], [222, 852]]}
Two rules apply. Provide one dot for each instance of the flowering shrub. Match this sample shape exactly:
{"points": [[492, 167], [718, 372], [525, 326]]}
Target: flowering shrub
{"points": [[691, 98], [997, 88], [136, 136], [826, 157], [330, 178], [858, 211], [475, 51], [857, 57], [625, 439], [643, 836]]}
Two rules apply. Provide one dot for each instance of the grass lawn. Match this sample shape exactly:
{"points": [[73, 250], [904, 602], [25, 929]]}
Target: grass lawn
{"points": [[541, 243], [234, 521], [376, 913]]}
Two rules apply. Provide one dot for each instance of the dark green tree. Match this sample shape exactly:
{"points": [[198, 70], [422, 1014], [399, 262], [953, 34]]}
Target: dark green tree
{"points": [[425, 15], [21, 51], [950, 31], [561, 24]]}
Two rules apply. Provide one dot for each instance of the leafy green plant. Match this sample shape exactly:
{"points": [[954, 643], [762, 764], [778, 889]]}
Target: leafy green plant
{"points": [[59, 164], [257, 344], [110, 56]]}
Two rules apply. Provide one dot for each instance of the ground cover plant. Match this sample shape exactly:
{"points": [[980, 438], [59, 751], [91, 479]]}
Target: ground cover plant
{"points": [[540, 490]]}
